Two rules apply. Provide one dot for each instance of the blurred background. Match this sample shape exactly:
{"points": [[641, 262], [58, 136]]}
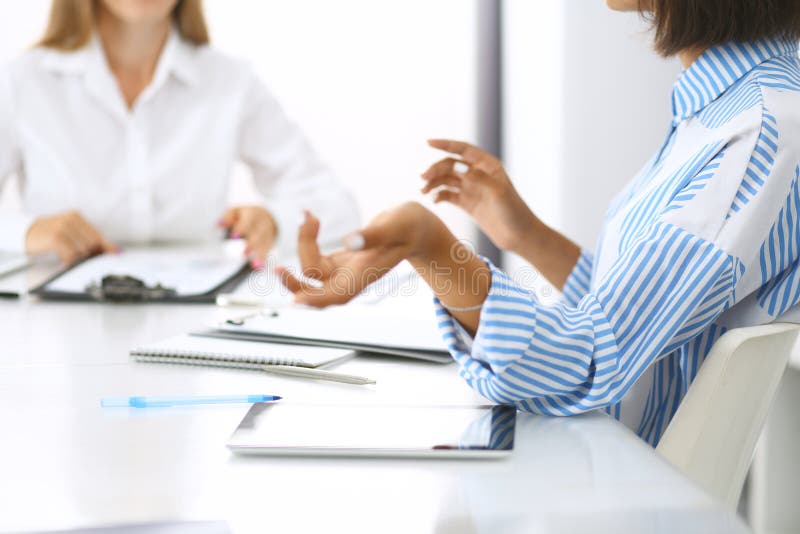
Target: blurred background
{"points": [[568, 93]]}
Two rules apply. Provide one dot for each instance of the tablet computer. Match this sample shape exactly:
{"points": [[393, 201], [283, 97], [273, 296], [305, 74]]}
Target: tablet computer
{"points": [[286, 428]]}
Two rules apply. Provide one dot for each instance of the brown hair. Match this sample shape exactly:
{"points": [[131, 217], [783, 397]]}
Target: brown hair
{"points": [[697, 24], [71, 23]]}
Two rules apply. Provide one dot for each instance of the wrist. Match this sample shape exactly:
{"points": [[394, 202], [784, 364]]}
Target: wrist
{"points": [[533, 238]]}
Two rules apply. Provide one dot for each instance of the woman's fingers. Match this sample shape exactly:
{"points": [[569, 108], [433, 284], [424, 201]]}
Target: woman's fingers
{"points": [[451, 180], [448, 195], [308, 250], [258, 244], [445, 167], [319, 296], [469, 153], [98, 243], [245, 224], [292, 283], [229, 217]]}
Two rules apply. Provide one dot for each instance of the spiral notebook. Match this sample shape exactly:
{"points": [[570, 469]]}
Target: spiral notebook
{"points": [[217, 352]]}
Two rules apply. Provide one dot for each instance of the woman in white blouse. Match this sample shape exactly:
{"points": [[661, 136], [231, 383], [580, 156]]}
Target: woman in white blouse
{"points": [[123, 126]]}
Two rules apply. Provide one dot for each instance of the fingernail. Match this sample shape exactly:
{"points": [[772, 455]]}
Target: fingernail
{"points": [[257, 264], [354, 242], [235, 235]]}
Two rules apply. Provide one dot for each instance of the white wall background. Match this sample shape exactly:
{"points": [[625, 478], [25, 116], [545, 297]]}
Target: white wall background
{"points": [[587, 103], [367, 80]]}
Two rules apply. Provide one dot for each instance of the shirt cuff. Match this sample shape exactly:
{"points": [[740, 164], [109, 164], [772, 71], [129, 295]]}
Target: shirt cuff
{"points": [[473, 355], [15, 227], [578, 283]]}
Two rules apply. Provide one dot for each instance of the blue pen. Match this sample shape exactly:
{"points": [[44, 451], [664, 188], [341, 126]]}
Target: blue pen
{"points": [[158, 402]]}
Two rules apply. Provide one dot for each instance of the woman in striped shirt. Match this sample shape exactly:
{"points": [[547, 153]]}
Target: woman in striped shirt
{"points": [[705, 238]]}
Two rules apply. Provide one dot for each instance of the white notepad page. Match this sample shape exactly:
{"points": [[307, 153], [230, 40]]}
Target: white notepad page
{"points": [[199, 349]]}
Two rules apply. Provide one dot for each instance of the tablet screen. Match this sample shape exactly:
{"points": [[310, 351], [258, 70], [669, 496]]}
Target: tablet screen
{"points": [[296, 428]]}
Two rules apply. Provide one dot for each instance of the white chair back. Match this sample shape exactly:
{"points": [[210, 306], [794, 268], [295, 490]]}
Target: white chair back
{"points": [[713, 434]]}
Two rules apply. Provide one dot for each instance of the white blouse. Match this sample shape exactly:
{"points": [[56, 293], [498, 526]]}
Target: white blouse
{"points": [[159, 171]]}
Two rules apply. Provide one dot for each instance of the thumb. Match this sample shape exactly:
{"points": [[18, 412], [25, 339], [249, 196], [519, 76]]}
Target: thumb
{"points": [[108, 246], [373, 236]]}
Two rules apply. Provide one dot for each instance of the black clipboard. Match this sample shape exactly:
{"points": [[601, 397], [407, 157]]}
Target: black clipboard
{"points": [[128, 289]]}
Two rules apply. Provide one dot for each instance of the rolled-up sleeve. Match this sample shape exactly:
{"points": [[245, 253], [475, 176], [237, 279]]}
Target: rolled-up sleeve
{"points": [[566, 359]]}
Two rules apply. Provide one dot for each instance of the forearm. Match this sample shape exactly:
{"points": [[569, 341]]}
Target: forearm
{"points": [[553, 254], [457, 276]]}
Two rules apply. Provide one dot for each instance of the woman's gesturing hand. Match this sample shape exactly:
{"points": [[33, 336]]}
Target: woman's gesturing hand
{"points": [[455, 274], [256, 226], [69, 235], [368, 255], [476, 182]]}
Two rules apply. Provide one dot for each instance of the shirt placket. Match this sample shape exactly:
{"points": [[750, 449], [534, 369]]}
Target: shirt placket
{"points": [[140, 226]]}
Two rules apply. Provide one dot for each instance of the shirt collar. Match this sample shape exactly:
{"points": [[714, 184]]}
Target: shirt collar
{"points": [[718, 68], [177, 58]]}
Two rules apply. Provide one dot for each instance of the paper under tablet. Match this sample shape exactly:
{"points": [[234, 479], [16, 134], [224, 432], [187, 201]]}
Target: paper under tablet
{"points": [[287, 428]]}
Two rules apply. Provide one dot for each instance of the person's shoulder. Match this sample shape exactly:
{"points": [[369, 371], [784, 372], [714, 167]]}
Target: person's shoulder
{"points": [[38, 63], [765, 103], [29, 62], [211, 63], [778, 81]]}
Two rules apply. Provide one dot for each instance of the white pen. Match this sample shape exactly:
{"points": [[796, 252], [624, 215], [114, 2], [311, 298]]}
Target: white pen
{"points": [[319, 374]]}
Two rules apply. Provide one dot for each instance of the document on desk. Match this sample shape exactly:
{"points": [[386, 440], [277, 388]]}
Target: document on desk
{"points": [[190, 271], [10, 263], [358, 328]]}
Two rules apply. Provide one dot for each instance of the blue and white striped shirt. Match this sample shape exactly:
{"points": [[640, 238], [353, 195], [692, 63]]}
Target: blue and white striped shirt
{"points": [[705, 238]]}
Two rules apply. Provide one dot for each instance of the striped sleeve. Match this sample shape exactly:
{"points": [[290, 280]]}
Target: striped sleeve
{"points": [[668, 286], [577, 284]]}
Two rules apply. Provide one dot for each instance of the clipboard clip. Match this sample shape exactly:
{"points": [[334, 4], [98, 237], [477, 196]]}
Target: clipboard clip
{"points": [[124, 288]]}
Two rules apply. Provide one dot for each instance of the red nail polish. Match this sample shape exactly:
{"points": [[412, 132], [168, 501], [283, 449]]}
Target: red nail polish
{"points": [[257, 264], [235, 235]]}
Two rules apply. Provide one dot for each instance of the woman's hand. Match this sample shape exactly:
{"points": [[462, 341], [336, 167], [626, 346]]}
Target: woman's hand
{"points": [[256, 225], [67, 234], [482, 189], [457, 276], [369, 254]]}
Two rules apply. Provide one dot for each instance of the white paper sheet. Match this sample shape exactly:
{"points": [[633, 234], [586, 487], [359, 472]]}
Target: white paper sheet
{"points": [[190, 271], [349, 325]]}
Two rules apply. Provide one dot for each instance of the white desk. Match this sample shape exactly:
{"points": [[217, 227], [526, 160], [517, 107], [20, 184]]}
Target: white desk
{"points": [[65, 462]]}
